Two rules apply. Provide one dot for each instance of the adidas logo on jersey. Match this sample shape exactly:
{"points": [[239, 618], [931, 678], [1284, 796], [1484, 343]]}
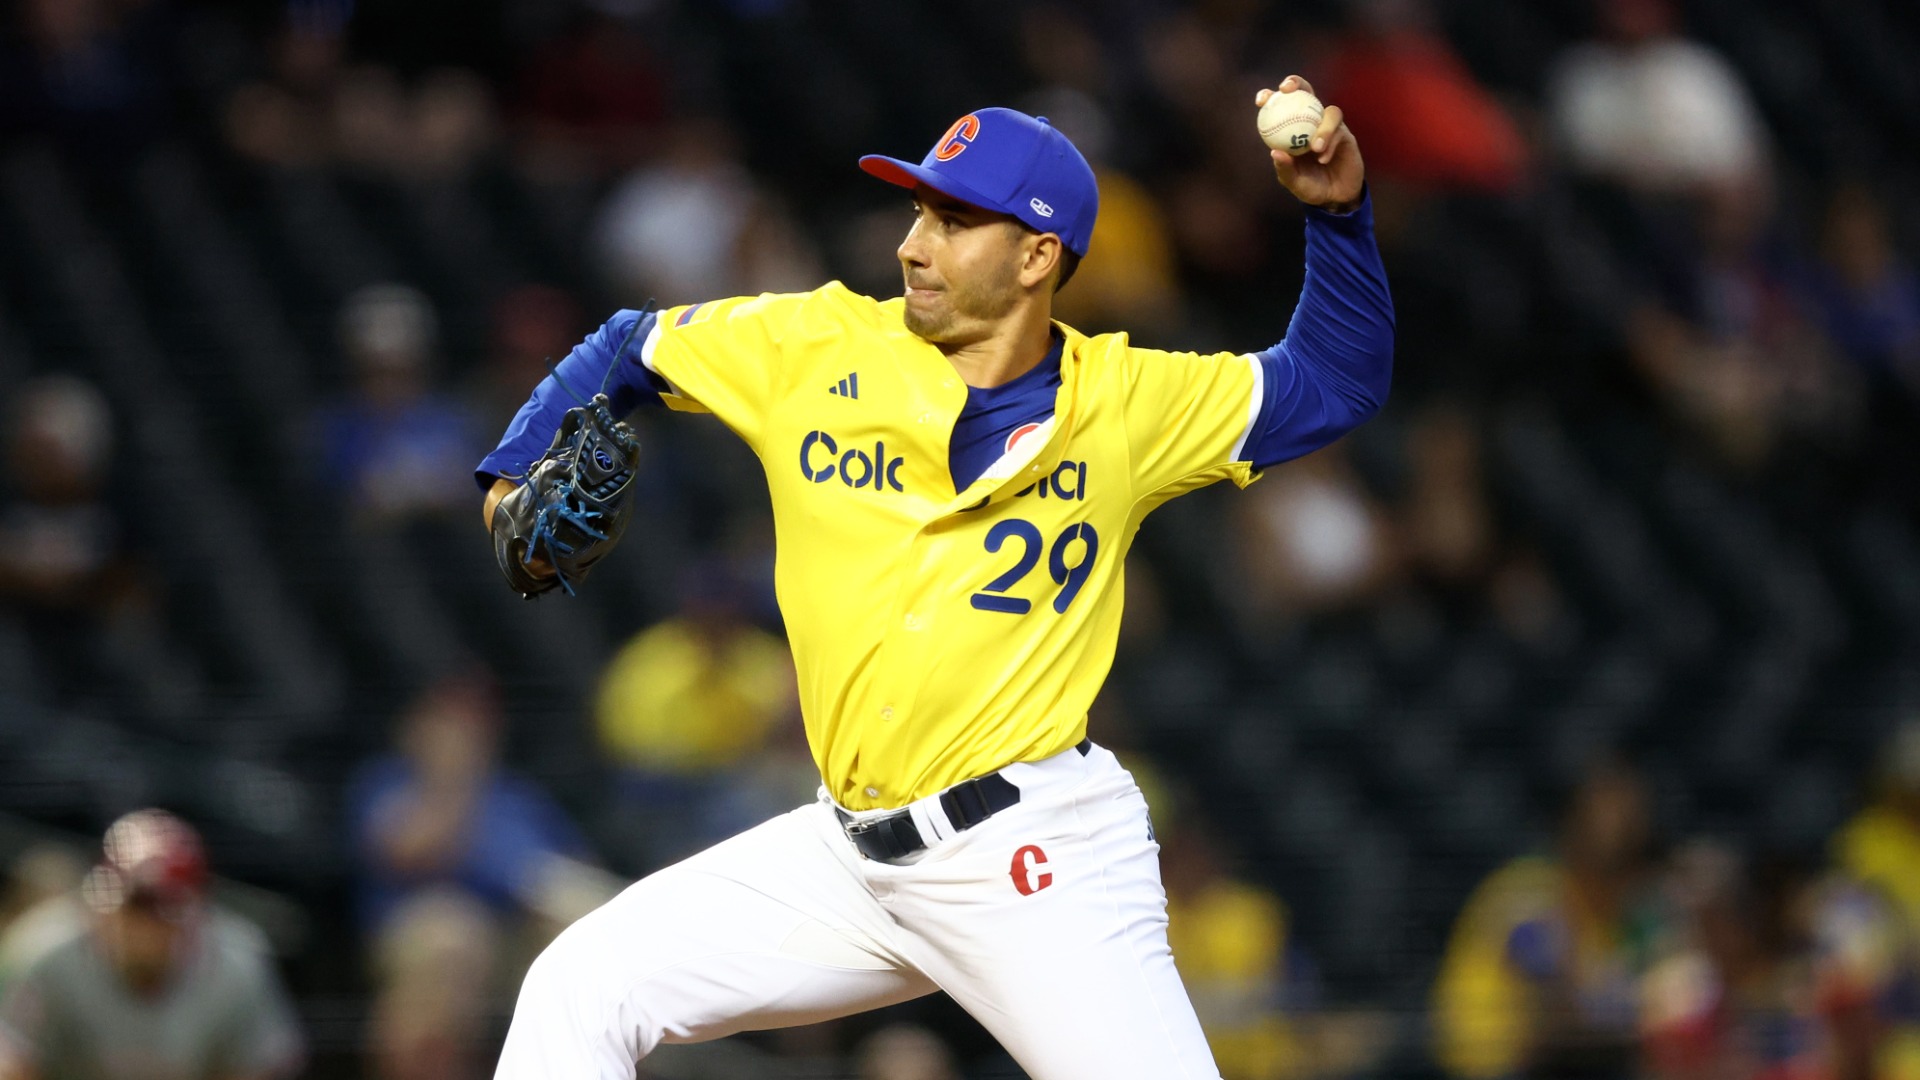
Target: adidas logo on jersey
{"points": [[848, 387]]}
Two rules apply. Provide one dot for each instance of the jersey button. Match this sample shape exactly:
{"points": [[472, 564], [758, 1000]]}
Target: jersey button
{"points": [[913, 621], [886, 712], [873, 793], [926, 417]]}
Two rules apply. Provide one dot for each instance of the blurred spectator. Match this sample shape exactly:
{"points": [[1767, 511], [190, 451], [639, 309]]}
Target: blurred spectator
{"points": [[1866, 980], [40, 873], [694, 226], [62, 549], [1132, 285], [456, 854], [1880, 847], [1189, 64], [1733, 991], [592, 102], [315, 108], [1231, 942], [396, 447], [1311, 540], [41, 906], [1428, 122], [68, 569], [1868, 295], [533, 326], [432, 130], [1541, 975], [689, 709], [437, 962], [1736, 354], [1448, 521], [155, 981], [905, 1052], [1060, 47], [1256, 991], [1454, 551], [288, 119], [1528, 605], [443, 812], [1220, 236], [84, 71], [1645, 107], [1871, 924]]}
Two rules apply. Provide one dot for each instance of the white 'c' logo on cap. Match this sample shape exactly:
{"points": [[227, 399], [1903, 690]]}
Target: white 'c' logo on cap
{"points": [[1040, 208]]}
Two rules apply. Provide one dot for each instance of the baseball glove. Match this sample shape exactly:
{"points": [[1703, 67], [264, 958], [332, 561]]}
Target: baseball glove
{"points": [[574, 505]]}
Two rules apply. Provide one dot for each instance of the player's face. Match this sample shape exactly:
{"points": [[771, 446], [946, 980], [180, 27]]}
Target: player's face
{"points": [[142, 945], [962, 268]]}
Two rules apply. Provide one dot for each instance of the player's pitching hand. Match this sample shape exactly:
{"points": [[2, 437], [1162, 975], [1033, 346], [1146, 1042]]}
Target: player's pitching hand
{"points": [[1330, 175]]}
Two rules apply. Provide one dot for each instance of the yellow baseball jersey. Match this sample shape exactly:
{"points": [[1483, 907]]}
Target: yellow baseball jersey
{"points": [[938, 634]]}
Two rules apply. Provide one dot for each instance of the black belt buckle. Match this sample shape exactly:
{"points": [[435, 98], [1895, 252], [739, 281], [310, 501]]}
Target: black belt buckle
{"points": [[883, 839]]}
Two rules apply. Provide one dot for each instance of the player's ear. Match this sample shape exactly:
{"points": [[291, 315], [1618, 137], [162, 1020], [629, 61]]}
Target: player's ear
{"points": [[1043, 254]]}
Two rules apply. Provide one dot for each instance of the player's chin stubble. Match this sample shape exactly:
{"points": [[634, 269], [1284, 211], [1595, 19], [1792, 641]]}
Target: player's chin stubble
{"points": [[928, 325], [962, 304]]}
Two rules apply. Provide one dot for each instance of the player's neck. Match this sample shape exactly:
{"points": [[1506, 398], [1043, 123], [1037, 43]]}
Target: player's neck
{"points": [[1016, 346]]}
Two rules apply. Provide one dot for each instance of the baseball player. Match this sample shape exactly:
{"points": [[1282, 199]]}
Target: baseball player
{"points": [[955, 479], [153, 981]]}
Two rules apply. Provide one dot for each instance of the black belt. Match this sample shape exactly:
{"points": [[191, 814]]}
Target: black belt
{"points": [[892, 837]]}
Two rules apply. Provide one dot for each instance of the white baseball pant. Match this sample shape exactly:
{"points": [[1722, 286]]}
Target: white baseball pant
{"points": [[1047, 922]]}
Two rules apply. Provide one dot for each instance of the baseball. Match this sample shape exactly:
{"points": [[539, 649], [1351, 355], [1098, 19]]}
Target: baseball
{"points": [[1289, 119]]}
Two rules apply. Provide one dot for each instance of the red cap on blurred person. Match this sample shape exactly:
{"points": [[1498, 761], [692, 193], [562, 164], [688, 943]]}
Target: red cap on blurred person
{"points": [[152, 859]]}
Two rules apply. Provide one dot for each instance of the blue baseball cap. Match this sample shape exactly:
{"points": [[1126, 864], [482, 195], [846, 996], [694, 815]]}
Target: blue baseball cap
{"points": [[1005, 160]]}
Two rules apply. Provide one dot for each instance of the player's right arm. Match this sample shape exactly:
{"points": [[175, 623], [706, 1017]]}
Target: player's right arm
{"points": [[1196, 419]]}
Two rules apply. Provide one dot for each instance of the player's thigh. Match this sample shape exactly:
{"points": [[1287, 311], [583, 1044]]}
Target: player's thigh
{"points": [[1053, 935], [765, 930]]}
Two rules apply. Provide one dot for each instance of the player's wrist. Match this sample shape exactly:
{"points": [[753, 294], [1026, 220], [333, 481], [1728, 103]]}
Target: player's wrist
{"points": [[1342, 208]]}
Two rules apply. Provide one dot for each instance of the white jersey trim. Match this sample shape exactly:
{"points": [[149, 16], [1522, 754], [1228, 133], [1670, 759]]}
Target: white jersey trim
{"points": [[646, 359], [1022, 454], [1254, 402]]}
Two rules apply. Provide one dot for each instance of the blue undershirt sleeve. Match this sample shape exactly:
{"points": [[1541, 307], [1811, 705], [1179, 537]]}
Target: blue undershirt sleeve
{"points": [[1332, 370], [609, 358]]}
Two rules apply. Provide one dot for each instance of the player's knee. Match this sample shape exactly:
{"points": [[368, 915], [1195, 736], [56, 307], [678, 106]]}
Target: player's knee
{"points": [[545, 975], [565, 968], [565, 1023]]}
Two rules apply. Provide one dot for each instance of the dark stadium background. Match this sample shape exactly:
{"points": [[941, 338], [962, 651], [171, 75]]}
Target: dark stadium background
{"points": [[1724, 596]]}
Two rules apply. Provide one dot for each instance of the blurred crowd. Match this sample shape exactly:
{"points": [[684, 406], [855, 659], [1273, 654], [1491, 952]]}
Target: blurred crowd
{"points": [[1615, 952], [1619, 953], [1624, 220]]}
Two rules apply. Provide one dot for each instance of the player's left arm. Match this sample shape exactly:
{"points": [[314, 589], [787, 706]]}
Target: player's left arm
{"points": [[722, 353], [608, 361], [1331, 372]]}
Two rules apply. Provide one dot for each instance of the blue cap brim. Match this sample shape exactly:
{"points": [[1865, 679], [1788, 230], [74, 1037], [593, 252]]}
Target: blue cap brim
{"points": [[906, 175]]}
